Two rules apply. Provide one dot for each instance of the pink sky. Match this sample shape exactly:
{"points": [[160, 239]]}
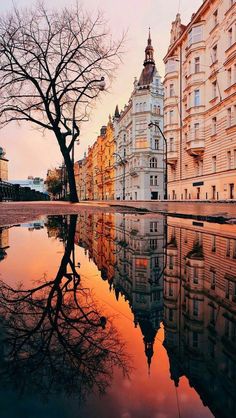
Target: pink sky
{"points": [[30, 153]]}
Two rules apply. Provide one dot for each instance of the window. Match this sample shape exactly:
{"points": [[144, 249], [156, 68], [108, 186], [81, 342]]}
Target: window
{"points": [[171, 262], [229, 160], [214, 89], [171, 117], [153, 244], [196, 97], [230, 37], [229, 117], [197, 64], [215, 18], [214, 54], [171, 66], [195, 35], [156, 144], [213, 243], [196, 130], [171, 144], [172, 91], [171, 293], [153, 226], [195, 275], [153, 162], [195, 307], [153, 180], [213, 126], [214, 164], [229, 77]]}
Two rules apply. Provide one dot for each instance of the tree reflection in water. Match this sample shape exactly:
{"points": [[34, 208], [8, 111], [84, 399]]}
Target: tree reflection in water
{"points": [[54, 338]]}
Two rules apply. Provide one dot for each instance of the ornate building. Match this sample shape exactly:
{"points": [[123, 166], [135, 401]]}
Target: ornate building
{"points": [[200, 104], [139, 150]]}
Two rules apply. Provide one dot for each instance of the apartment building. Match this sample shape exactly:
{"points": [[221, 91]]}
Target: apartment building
{"points": [[200, 104], [95, 172], [139, 150]]}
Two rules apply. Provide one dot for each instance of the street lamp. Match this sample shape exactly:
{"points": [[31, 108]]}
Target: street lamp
{"points": [[165, 141], [123, 161], [101, 84]]}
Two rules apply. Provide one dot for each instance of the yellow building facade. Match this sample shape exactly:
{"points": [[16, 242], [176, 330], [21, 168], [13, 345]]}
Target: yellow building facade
{"points": [[200, 104], [95, 172]]}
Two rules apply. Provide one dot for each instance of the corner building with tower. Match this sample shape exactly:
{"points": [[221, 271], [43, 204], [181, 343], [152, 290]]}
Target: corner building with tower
{"points": [[139, 151]]}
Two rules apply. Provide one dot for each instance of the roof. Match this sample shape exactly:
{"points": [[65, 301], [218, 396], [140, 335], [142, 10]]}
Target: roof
{"points": [[147, 74]]}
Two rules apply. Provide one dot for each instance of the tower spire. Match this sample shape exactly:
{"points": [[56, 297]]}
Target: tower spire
{"points": [[149, 51]]}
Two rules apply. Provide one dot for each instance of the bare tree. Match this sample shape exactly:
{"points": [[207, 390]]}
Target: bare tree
{"points": [[54, 337], [52, 67]]}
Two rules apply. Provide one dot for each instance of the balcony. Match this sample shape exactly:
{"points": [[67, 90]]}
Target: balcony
{"points": [[172, 156], [195, 147]]}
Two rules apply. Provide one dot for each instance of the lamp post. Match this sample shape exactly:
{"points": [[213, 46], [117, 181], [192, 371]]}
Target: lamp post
{"points": [[164, 154], [123, 161]]}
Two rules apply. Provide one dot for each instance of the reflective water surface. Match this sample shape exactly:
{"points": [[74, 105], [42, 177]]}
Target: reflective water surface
{"points": [[117, 315]]}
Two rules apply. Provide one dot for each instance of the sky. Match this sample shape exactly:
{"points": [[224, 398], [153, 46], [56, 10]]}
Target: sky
{"points": [[31, 153]]}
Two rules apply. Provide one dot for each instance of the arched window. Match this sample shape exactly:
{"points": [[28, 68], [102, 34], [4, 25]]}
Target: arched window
{"points": [[153, 162]]}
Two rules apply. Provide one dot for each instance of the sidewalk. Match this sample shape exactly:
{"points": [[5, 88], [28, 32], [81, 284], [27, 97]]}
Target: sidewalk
{"points": [[18, 212]]}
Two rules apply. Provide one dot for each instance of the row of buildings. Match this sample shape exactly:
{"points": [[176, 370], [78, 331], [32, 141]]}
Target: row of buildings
{"points": [[195, 107]]}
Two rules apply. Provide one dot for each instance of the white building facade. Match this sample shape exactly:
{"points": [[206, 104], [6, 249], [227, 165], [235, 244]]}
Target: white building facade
{"points": [[139, 151]]}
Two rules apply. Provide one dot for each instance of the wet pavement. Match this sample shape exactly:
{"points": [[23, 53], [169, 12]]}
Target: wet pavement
{"points": [[16, 212]]}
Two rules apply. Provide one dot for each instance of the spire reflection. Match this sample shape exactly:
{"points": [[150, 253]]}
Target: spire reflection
{"points": [[128, 249]]}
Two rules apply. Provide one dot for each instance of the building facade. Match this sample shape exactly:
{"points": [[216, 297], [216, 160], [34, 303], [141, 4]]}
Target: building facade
{"points": [[200, 104], [3, 165], [95, 172], [139, 150]]}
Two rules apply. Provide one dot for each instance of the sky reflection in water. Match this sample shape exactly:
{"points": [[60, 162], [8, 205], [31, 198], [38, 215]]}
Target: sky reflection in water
{"points": [[139, 307]]}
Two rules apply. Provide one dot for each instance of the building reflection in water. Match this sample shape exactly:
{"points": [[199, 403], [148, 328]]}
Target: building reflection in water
{"points": [[199, 310], [129, 252], [197, 262]]}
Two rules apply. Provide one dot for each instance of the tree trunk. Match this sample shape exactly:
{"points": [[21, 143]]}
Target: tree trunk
{"points": [[71, 178], [69, 169]]}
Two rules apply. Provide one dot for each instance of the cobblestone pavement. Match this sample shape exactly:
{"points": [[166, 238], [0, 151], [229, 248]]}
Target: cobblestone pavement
{"points": [[18, 212]]}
